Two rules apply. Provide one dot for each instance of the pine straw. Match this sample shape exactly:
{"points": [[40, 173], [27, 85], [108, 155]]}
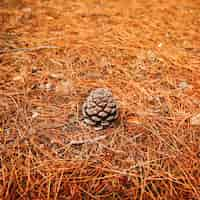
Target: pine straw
{"points": [[53, 53]]}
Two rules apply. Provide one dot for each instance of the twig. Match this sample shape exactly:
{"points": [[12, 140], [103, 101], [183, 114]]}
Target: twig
{"points": [[28, 49], [90, 141]]}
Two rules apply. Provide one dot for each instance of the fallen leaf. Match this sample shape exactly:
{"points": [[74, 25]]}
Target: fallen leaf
{"points": [[34, 114], [134, 120], [48, 87], [64, 87], [183, 85], [18, 78], [195, 120], [58, 76]]}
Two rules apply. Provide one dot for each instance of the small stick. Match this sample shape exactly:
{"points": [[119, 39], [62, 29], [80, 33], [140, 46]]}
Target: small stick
{"points": [[90, 141], [28, 49]]}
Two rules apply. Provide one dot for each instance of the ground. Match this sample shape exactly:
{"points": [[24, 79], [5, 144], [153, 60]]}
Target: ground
{"points": [[53, 53]]}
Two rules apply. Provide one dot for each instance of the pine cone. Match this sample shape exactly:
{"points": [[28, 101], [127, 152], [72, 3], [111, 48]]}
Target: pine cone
{"points": [[99, 109]]}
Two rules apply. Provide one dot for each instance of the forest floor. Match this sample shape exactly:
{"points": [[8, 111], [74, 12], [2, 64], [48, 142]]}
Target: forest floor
{"points": [[53, 53]]}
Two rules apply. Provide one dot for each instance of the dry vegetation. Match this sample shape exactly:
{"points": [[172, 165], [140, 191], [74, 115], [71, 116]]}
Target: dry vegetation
{"points": [[53, 52]]}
